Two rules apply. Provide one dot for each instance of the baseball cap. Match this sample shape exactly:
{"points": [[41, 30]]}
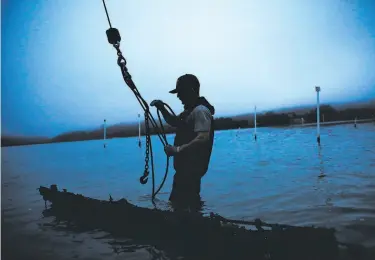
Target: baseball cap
{"points": [[186, 81]]}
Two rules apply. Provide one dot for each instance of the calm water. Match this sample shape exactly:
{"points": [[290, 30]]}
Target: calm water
{"points": [[275, 179]]}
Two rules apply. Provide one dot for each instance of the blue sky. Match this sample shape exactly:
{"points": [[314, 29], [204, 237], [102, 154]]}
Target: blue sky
{"points": [[59, 73]]}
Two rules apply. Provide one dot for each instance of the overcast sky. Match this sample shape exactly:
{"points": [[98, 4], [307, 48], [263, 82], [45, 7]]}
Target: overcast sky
{"points": [[59, 73]]}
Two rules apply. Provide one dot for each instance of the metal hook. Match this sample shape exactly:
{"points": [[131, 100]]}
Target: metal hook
{"points": [[143, 180]]}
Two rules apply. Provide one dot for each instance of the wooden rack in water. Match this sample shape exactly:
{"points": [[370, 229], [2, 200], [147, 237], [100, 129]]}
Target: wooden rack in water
{"points": [[191, 234]]}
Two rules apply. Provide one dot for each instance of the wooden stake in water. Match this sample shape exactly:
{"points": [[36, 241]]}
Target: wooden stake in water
{"points": [[139, 131], [355, 122], [104, 132], [317, 89], [255, 123]]}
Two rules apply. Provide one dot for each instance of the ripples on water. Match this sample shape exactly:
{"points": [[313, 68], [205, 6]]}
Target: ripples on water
{"points": [[278, 179]]}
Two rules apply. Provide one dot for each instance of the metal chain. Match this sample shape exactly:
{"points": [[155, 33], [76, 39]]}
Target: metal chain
{"points": [[121, 59], [147, 157]]}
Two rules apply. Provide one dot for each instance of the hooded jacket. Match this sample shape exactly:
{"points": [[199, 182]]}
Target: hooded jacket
{"points": [[196, 159]]}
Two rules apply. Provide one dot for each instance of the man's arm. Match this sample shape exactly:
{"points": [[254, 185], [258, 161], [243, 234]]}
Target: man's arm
{"points": [[201, 138], [168, 117], [202, 126]]}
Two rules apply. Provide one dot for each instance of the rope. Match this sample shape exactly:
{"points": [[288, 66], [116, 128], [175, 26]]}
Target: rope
{"points": [[149, 152]]}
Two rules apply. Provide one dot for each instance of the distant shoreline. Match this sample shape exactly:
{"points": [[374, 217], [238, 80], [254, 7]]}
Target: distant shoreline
{"points": [[345, 122], [323, 124], [329, 116]]}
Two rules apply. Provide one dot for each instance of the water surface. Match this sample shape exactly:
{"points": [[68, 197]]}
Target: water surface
{"points": [[278, 179]]}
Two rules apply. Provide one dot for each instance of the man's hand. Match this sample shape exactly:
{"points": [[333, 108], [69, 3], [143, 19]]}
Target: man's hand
{"points": [[171, 150], [157, 103]]}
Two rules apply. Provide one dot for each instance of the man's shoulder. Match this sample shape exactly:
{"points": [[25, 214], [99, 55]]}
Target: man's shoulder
{"points": [[201, 109], [201, 114]]}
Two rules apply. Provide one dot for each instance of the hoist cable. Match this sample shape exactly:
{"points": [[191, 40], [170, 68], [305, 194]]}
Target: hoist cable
{"points": [[106, 12]]}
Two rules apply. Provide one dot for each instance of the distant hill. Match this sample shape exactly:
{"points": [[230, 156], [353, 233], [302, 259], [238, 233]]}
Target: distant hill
{"points": [[363, 104], [299, 110], [10, 140]]}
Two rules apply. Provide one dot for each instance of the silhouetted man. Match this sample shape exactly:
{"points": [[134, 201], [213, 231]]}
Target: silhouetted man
{"points": [[193, 141]]}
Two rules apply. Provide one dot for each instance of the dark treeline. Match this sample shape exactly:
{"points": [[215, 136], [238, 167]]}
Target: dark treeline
{"points": [[327, 112], [331, 114]]}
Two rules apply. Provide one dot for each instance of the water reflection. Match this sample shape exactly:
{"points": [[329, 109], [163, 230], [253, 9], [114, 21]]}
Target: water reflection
{"points": [[118, 245], [321, 163], [160, 204]]}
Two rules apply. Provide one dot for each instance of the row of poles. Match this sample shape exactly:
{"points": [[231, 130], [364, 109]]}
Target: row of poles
{"points": [[139, 132], [317, 89]]}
